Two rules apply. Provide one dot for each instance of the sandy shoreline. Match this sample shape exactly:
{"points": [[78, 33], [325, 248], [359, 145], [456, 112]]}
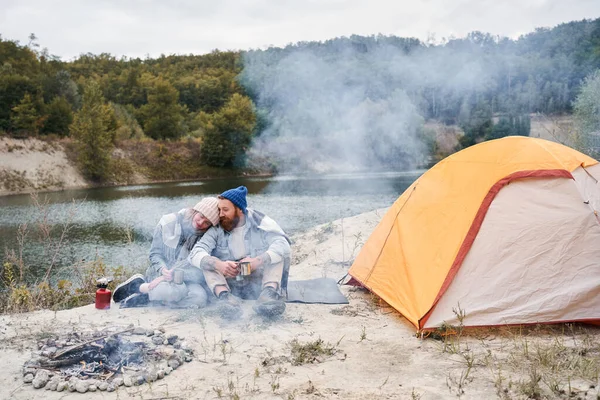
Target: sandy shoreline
{"points": [[377, 353], [32, 165]]}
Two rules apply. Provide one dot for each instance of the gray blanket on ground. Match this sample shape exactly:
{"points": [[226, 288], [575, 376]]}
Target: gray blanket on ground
{"points": [[315, 291], [311, 291]]}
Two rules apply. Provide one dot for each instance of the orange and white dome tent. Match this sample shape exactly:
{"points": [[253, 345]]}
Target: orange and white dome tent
{"points": [[506, 230]]}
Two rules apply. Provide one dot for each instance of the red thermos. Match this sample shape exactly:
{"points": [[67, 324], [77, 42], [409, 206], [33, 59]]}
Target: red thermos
{"points": [[103, 295]]}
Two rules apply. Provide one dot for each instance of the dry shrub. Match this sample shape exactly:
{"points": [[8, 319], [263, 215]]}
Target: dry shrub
{"points": [[160, 161], [165, 160], [14, 181], [534, 361], [17, 291], [311, 352], [171, 160], [64, 294], [47, 179], [122, 170], [20, 299]]}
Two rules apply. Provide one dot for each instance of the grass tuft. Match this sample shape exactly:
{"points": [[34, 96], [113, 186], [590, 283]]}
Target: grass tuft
{"points": [[310, 352]]}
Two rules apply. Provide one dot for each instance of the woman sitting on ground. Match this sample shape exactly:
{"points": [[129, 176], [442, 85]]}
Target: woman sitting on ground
{"points": [[174, 237]]}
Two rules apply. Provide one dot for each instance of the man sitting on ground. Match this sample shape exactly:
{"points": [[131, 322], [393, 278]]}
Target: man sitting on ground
{"points": [[174, 237], [243, 235]]}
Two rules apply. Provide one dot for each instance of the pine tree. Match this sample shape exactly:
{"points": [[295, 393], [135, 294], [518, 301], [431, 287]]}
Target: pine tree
{"points": [[228, 133], [93, 128], [525, 125], [60, 116], [24, 116], [163, 115]]}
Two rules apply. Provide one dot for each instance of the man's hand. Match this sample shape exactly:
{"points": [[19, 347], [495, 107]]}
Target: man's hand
{"points": [[167, 274], [229, 269], [255, 262]]}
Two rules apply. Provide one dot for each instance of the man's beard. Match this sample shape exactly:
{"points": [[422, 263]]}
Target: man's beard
{"points": [[229, 224]]}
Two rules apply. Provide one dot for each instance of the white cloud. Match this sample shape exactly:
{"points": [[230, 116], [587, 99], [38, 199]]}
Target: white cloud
{"points": [[139, 27]]}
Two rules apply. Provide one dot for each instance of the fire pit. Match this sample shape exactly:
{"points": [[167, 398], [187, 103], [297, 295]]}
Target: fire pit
{"points": [[93, 361]]}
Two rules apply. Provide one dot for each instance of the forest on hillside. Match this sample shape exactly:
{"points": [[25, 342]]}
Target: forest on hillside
{"points": [[359, 100]]}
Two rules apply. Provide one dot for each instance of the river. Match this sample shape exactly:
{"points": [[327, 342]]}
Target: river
{"points": [[116, 223]]}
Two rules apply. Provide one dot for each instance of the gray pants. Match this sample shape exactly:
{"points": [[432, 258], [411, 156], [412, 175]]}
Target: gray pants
{"points": [[191, 293], [184, 295], [251, 286]]}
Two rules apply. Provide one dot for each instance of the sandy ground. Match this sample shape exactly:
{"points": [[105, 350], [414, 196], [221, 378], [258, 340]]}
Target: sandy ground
{"points": [[41, 166], [377, 353]]}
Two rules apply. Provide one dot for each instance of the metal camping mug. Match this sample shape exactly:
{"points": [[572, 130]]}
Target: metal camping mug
{"points": [[245, 268], [178, 276]]}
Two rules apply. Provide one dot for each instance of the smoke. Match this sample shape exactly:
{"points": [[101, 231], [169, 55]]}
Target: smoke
{"points": [[345, 105]]}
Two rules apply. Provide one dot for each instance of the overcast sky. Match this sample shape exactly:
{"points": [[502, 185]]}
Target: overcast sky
{"points": [[137, 28]]}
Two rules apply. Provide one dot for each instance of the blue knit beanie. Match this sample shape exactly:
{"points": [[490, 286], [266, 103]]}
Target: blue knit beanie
{"points": [[237, 196]]}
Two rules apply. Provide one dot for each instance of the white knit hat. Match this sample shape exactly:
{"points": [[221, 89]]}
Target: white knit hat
{"points": [[209, 207]]}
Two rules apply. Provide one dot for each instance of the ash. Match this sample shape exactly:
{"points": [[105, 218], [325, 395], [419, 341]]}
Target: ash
{"points": [[82, 362]]}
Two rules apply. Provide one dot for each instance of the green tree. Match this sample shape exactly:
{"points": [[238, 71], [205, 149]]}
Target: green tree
{"points": [[503, 128], [127, 126], [510, 126], [208, 91], [477, 125], [228, 133], [523, 127], [24, 116], [587, 105], [12, 90], [163, 117], [586, 137], [59, 117], [60, 84], [93, 128], [129, 89], [21, 58]]}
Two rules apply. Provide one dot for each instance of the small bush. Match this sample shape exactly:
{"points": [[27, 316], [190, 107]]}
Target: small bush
{"points": [[20, 299], [19, 294], [310, 352], [175, 160], [14, 180], [64, 294]]}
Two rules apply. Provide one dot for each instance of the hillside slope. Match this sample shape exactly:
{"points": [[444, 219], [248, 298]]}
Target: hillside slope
{"points": [[34, 165]]}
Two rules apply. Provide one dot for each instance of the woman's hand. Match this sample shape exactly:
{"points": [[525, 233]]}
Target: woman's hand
{"points": [[167, 274]]}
